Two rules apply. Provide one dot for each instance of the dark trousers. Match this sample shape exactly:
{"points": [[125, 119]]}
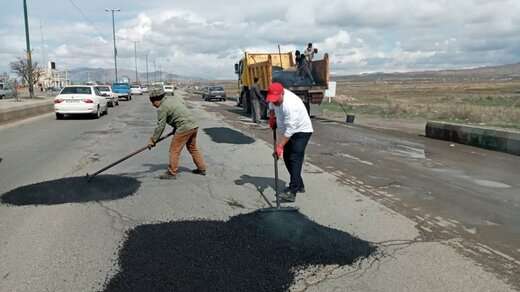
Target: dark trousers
{"points": [[293, 156]]}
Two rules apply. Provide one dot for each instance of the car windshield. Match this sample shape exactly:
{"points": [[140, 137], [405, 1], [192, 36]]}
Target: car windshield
{"points": [[168, 87], [135, 86], [76, 90], [103, 88], [217, 88]]}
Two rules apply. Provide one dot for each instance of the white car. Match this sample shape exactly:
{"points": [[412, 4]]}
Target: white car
{"points": [[144, 89], [136, 89], [106, 91], [80, 99], [6, 91], [168, 89]]}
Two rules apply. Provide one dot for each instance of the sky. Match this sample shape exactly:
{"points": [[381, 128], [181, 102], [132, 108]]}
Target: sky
{"points": [[205, 38]]}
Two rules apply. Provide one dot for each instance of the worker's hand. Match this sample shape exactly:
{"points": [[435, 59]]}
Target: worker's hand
{"points": [[151, 144], [278, 153], [272, 122]]}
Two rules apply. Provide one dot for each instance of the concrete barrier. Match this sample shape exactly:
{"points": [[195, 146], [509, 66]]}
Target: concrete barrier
{"points": [[23, 110], [488, 138]]}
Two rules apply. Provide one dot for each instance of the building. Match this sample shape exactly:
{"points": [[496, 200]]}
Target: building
{"points": [[53, 78]]}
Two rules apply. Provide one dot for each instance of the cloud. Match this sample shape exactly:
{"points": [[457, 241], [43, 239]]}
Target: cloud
{"points": [[205, 38]]}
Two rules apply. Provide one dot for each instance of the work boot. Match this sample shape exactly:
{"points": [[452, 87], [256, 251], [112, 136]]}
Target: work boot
{"points": [[288, 190], [167, 175], [198, 171], [287, 197]]}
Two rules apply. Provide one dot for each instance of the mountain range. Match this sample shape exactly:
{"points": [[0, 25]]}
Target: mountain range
{"points": [[107, 75], [502, 72]]}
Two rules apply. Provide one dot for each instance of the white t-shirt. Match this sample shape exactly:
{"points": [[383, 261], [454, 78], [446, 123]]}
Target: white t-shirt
{"points": [[291, 115]]}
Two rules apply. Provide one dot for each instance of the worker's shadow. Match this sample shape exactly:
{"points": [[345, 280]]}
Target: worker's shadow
{"points": [[151, 168], [260, 183]]}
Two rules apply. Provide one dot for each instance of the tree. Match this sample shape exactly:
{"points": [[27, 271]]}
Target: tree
{"points": [[20, 68]]}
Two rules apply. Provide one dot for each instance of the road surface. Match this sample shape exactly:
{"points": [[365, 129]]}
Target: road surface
{"points": [[130, 230]]}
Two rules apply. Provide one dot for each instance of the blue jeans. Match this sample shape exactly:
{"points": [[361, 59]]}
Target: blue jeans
{"points": [[293, 156]]}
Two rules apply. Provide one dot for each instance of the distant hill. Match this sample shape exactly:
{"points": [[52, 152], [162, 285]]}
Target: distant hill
{"points": [[80, 75], [503, 72]]}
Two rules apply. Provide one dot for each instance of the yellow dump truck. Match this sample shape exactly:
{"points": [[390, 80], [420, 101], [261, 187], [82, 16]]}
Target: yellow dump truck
{"points": [[281, 67]]}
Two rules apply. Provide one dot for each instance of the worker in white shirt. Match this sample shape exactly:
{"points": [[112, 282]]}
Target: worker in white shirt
{"points": [[288, 113]]}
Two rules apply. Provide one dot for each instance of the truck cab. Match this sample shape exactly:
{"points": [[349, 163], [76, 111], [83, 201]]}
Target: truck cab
{"points": [[122, 90]]}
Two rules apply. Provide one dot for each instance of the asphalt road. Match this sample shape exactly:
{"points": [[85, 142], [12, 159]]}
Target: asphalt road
{"points": [[451, 191], [128, 230]]}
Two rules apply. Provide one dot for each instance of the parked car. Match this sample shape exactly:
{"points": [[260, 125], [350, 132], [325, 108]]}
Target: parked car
{"points": [[144, 89], [214, 93], [122, 90], [136, 89], [106, 91], [80, 99], [6, 91], [169, 89]]}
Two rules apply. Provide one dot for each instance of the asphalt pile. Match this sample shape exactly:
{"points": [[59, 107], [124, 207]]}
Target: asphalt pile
{"points": [[252, 252], [228, 136], [73, 190], [291, 78]]}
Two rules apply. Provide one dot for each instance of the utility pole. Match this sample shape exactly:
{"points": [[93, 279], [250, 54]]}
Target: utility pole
{"points": [[28, 45], [114, 36], [147, 79], [154, 71], [44, 50], [135, 61]]}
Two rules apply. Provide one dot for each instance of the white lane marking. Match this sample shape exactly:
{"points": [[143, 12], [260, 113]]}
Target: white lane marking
{"points": [[356, 159]]}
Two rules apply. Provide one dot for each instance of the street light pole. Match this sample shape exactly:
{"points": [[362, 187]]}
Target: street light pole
{"points": [[29, 57], [154, 71], [114, 36], [147, 79], [135, 61]]}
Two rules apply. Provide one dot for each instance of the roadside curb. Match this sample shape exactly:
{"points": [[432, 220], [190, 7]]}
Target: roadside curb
{"points": [[24, 111], [502, 140]]}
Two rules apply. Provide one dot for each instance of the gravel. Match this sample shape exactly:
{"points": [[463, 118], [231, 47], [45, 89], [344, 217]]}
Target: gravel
{"points": [[72, 190], [228, 136], [252, 252]]}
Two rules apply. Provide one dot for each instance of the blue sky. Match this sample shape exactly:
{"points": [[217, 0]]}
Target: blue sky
{"points": [[205, 38]]}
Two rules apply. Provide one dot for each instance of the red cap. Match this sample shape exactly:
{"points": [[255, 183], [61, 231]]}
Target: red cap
{"points": [[275, 91]]}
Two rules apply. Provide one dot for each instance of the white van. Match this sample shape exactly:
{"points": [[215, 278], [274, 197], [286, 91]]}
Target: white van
{"points": [[6, 91]]}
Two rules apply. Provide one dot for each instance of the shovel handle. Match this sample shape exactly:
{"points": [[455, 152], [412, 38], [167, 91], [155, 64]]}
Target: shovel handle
{"points": [[275, 156], [90, 177]]}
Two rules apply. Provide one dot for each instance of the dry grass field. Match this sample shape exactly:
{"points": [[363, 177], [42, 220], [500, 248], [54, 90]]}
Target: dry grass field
{"points": [[490, 103]]}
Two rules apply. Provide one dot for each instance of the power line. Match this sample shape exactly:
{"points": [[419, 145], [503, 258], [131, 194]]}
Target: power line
{"points": [[85, 17]]}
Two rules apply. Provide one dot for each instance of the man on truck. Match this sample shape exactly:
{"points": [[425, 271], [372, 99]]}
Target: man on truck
{"points": [[288, 113], [173, 111]]}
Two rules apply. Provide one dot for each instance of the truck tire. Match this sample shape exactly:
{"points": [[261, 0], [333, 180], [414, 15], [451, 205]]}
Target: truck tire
{"points": [[246, 101]]}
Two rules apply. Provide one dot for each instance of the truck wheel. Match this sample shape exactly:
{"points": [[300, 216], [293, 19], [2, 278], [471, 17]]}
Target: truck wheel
{"points": [[247, 103]]}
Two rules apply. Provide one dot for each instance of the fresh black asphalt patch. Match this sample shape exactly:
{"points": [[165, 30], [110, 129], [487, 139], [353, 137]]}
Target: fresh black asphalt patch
{"points": [[228, 136], [260, 251], [72, 190]]}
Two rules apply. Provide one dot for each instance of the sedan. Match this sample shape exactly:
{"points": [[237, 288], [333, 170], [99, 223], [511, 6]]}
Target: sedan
{"points": [[106, 91], [82, 99], [136, 90]]}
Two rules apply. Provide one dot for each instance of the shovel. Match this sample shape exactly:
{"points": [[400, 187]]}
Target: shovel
{"points": [[278, 208], [91, 176]]}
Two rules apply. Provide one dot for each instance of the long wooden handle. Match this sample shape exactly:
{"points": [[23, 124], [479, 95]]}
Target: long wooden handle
{"points": [[90, 177]]}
